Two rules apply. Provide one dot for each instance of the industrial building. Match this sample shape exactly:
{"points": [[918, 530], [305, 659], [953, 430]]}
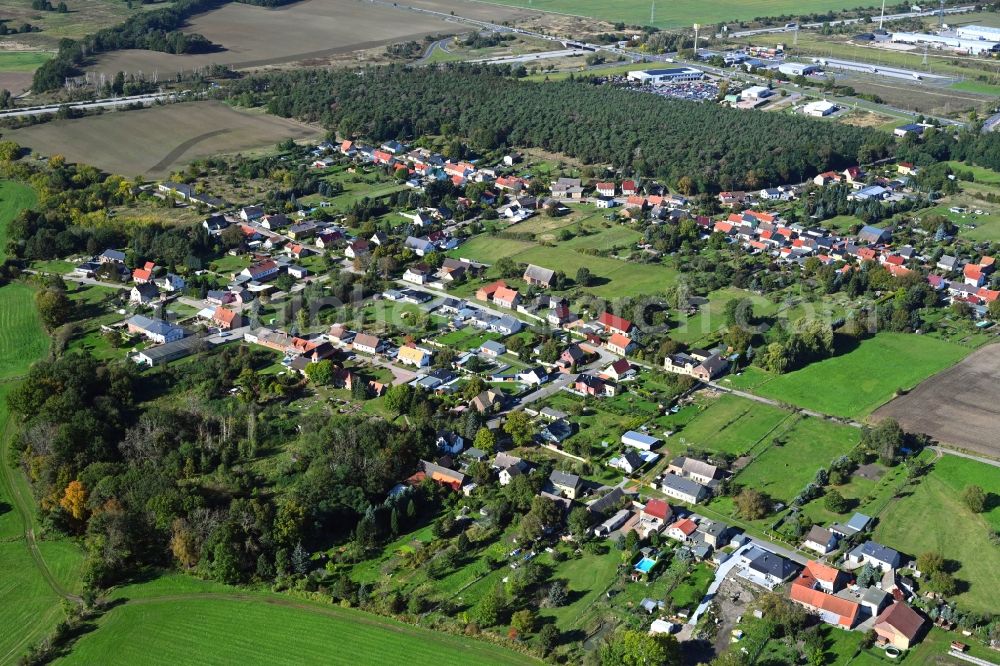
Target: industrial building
{"points": [[819, 108], [756, 92], [970, 46], [797, 68], [979, 32], [658, 77]]}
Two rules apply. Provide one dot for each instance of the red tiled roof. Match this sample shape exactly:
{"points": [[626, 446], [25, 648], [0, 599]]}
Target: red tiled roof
{"points": [[685, 525], [505, 294], [619, 340], [609, 320], [973, 271], [657, 508], [224, 316], [846, 611]]}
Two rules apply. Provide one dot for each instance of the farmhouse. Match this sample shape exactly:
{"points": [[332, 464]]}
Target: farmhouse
{"points": [[619, 370], [156, 330], [653, 517], [261, 270], [144, 274], [493, 348], [628, 462], [111, 257]]}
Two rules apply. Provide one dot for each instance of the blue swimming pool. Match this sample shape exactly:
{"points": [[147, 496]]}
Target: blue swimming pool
{"points": [[645, 565]]}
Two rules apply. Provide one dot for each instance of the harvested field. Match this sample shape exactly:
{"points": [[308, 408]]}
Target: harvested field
{"points": [[257, 36], [154, 141], [960, 406]]}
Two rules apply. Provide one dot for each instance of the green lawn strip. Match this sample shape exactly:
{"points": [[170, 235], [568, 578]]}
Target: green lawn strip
{"points": [[22, 340], [855, 383], [267, 628], [587, 577], [933, 517], [14, 197]]}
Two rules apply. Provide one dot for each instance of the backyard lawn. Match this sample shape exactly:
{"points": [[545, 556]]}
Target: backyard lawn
{"points": [[14, 197], [853, 384]]}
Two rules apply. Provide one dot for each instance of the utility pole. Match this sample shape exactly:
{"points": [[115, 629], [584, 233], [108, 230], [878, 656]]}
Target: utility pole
{"points": [[882, 17]]}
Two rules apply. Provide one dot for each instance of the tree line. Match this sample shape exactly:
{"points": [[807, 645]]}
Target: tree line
{"points": [[715, 147]]}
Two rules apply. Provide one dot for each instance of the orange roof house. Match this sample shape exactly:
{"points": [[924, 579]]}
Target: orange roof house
{"points": [[144, 274], [810, 590], [486, 292]]}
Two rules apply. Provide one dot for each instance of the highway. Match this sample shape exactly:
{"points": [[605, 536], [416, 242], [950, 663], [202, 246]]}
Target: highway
{"points": [[888, 17], [145, 100]]}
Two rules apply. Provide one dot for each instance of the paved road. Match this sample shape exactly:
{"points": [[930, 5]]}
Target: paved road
{"points": [[50, 109], [888, 17], [962, 454]]}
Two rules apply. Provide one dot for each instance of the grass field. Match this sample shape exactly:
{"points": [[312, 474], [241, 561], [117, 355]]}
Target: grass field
{"points": [[853, 384], [950, 527], [157, 140], [730, 424], [613, 277], [808, 444], [28, 606], [710, 318], [14, 197], [22, 61], [255, 629], [682, 12], [310, 30]]}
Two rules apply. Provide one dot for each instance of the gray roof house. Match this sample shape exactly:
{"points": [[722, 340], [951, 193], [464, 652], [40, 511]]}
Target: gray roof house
{"points": [[685, 490], [877, 555], [539, 276], [565, 483]]}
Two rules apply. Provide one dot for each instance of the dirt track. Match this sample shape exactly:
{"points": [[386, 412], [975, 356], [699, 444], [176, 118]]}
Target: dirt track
{"points": [[960, 406]]}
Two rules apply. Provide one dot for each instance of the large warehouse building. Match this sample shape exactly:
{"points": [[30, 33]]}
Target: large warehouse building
{"points": [[970, 46], [797, 68], [659, 77], [986, 32]]}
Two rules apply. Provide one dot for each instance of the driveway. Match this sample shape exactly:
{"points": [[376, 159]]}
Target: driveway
{"points": [[720, 575]]}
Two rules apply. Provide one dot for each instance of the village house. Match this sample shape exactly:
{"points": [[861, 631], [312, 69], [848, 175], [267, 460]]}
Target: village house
{"points": [[683, 489], [111, 257], [566, 484], [328, 239], [493, 348], [506, 298], [615, 324], [619, 370], [821, 540], [170, 283], [156, 330], [587, 384], [567, 188], [251, 213], [875, 554], [357, 249], [143, 293], [486, 402], [144, 274], [413, 355], [620, 344], [899, 626], [226, 319], [807, 591], [682, 529], [570, 357], [653, 517], [486, 292], [261, 270], [416, 274], [629, 461], [366, 343], [701, 365], [697, 470], [765, 568], [605, 189]]}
